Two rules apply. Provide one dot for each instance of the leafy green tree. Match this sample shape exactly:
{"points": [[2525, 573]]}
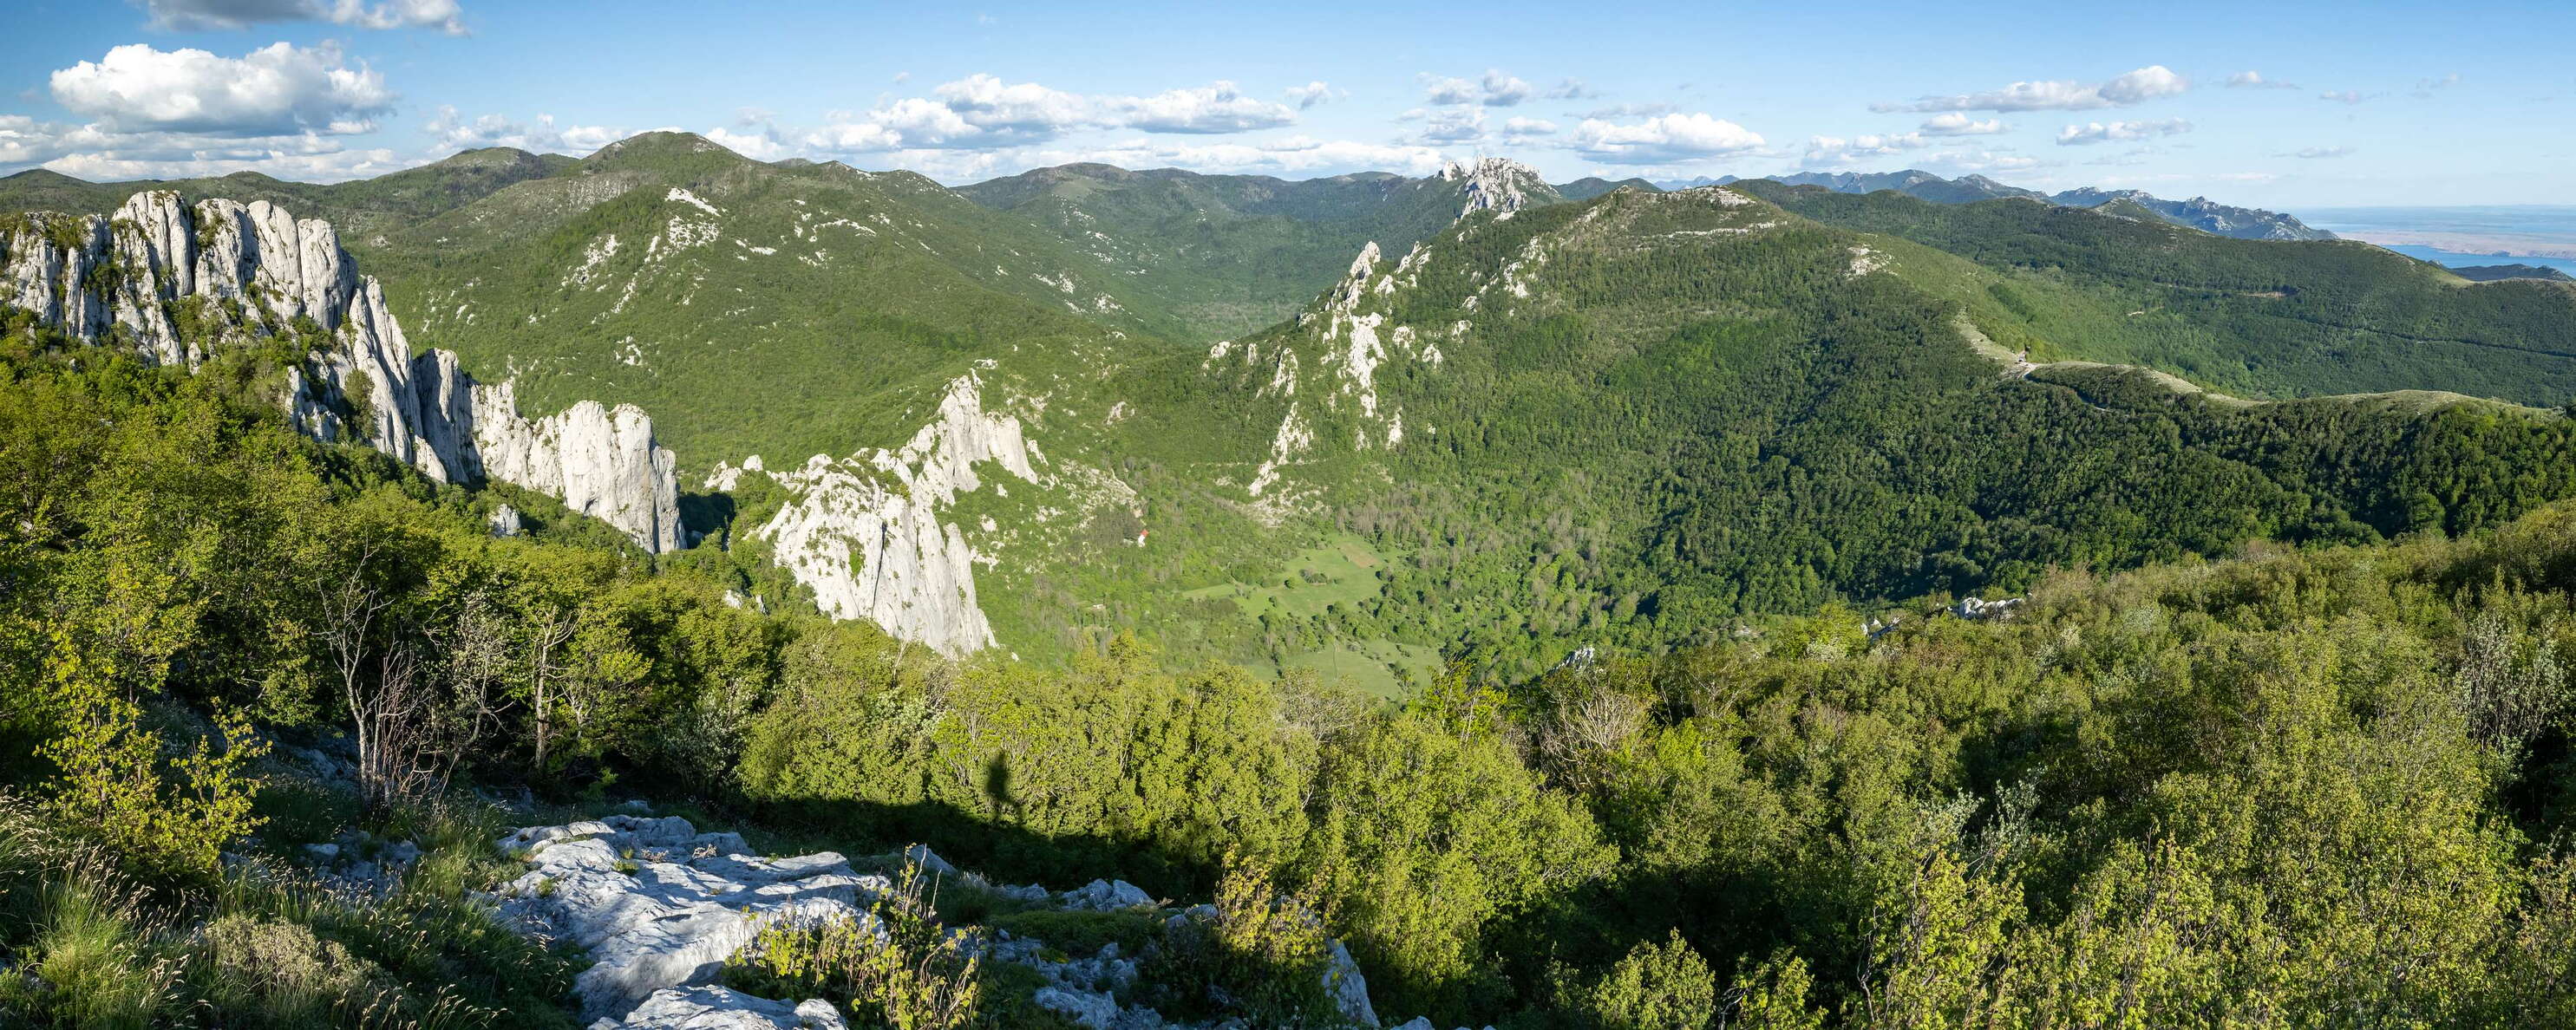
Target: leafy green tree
{"points": [[1658, 986], [1423, 837]]}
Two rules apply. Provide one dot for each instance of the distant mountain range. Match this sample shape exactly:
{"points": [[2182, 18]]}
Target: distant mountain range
{"points": [[1592, 186], [1231, 254], [2202, 213]]}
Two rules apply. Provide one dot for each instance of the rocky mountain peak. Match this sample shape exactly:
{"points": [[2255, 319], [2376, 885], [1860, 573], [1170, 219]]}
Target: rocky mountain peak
{"points": [[1497, 184]]}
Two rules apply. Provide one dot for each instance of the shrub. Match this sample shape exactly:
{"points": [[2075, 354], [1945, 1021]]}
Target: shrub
{"points": [[1260, 955], [1657, 987], [112, 778], [893, 966], [279, 973], [1774, 997]]}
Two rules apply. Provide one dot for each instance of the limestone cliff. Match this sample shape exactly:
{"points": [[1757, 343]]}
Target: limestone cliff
{"points": [[169, 281], [865, 531], [600, 461]]}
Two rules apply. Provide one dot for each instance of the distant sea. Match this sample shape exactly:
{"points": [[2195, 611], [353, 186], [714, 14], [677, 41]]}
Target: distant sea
{"points": [[2542, 235]]}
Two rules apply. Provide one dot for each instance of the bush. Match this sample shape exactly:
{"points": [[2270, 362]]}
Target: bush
{"points": [[1259, 955], [278, 974], [1774, 997], [1657, 987], [893, 966], [177, 815]]}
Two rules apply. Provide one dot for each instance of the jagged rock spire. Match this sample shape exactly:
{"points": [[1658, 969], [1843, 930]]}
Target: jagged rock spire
{"points": [[127, 279], [1497, 184]]}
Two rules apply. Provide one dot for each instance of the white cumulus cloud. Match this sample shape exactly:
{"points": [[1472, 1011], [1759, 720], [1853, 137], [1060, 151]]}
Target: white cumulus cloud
{"points": [[982, 112], [1453, 125], [980, 106], [1835, 150], [759, 143], [99, 154], [1988, 161], [1206, 109], [1662, 139], [273, 91], [2119, 132], [2250, 79], [2136, 87], [1496, 89], [1313, 93], [1572, 89], [450, 132], [1956, 124], [1295, 154]]}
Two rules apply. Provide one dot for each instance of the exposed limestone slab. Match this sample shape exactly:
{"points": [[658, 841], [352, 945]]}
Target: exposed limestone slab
{"points": [[719, 1008], [658, 905]]}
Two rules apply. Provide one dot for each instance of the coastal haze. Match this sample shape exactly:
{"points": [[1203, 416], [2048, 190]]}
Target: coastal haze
{"points": [[2539, 235]]}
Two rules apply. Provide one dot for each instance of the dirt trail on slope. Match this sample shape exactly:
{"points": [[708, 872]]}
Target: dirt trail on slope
{"points": [[2017, 365]]}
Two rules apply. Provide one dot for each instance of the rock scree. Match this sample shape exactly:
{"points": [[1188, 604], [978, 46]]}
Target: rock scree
{"points": [[660, 908]]}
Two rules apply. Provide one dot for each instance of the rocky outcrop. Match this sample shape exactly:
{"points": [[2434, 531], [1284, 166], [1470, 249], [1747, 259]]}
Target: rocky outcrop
{"points": [[865, 532], [719, 1008], [660, 908], [1107, 896], [659, 905], [1353, 340], [1496, 184], [1980, 608], [172, 281], [601, 462]]}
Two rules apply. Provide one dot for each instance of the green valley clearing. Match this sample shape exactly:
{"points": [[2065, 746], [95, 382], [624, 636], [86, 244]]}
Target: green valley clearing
{"points": [[1336, 577]]}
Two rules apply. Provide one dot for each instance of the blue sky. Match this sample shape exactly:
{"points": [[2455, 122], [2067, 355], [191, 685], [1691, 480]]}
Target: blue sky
{"points": [[2276, 104]]}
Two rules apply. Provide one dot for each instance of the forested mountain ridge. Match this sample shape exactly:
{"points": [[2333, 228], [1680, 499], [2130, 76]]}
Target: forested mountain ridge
{"points": [[796, 310], [2517, 270], [1633, 418], [985, 398], [361, 208], [2199, 213], [1235, 253], [2259, 318], [1592, 186], [766, 315]]}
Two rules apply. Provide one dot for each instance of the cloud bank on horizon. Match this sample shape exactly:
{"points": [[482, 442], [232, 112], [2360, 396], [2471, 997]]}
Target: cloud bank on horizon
{"points": [[337, 89]]}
